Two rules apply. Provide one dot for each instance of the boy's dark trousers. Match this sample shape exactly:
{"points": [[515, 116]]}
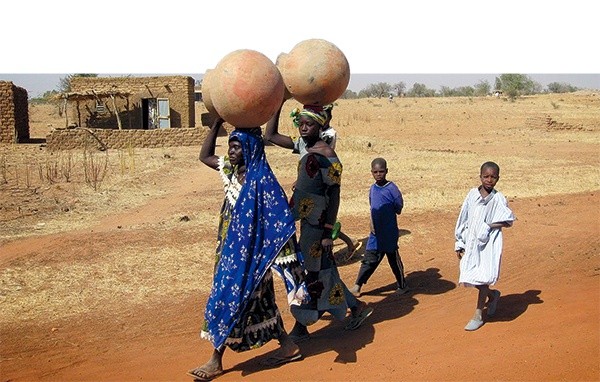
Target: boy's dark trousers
{"points": [[370, 262]]}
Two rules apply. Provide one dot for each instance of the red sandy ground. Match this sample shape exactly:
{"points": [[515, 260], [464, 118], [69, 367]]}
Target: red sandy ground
{"points": [[546, 327]]}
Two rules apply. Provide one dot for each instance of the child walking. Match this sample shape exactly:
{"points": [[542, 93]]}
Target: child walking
{"points": [[386, 202], [478, 243]]}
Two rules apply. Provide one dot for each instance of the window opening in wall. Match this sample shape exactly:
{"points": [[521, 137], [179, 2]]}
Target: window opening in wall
{"points": [[100, 109]]}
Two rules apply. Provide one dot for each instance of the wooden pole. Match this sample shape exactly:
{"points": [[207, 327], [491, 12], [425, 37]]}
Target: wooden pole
{"points": [[65, 111], [112, 96]]}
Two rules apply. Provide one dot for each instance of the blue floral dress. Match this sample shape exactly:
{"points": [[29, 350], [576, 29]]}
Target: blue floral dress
{"points": [[254, 239]]}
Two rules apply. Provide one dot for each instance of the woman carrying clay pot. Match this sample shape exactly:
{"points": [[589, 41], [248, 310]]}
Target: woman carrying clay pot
{"points": [[256, 236], [315, 202]]}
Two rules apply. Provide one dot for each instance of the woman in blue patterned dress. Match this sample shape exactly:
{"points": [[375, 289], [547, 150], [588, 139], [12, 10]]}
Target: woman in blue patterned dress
{"points": [[256, 235]]}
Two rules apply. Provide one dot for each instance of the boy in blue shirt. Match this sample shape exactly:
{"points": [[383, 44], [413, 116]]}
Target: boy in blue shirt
{"points": [[385, 200]]}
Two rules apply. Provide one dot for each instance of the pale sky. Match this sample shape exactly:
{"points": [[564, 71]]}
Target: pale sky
{"points": [[377, 36]]}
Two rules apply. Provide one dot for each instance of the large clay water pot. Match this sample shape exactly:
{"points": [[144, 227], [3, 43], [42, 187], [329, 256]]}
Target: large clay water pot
{"points": [[246, 88], [206, 86], [315, 72]]}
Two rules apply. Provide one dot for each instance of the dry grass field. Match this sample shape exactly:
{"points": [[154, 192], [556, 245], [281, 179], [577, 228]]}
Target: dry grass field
{"points": [[106, 278]]}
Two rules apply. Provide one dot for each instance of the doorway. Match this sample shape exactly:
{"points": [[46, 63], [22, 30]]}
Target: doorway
{"points": [[155, 113]]}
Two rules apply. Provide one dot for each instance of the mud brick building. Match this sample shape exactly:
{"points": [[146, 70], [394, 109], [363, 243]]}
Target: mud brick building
{"points": [[120, 112], [144, 103], [14, 113]]}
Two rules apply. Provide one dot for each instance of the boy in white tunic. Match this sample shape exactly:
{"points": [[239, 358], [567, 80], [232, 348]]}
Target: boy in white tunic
{"points": [[478, 243]]}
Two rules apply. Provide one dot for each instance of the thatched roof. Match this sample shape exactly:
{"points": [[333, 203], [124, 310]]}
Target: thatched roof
{"points": [[92, 94]]}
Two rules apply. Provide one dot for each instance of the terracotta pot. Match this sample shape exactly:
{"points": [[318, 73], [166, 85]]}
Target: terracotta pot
{"points": [[315, 72], [246, 88]]}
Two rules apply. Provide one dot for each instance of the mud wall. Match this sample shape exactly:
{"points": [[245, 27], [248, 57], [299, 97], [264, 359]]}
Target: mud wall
{"points": [[14, 113], [102, 139]]}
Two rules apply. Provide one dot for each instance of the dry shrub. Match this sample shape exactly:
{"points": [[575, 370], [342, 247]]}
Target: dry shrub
{"points": [[95, 166]]}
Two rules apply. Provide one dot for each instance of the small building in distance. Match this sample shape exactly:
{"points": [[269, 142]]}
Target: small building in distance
{"points": [[131, 102]]}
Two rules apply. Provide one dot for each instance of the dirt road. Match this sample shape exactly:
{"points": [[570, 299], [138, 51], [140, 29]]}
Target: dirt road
{"points": [[546, 327]]}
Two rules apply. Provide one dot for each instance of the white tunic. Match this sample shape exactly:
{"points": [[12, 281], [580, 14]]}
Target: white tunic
{"points": [[480, 264]]}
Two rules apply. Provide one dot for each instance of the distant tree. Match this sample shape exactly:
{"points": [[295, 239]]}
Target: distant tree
{"points": [[446, 91], [399, 87], [46, 97], [498, 84], [349, 94], [561, 87], [482, 88], [465, 91], [515, 85], [362, 94], [537, 88], [420, 90], [64, 85], [380, 89]]}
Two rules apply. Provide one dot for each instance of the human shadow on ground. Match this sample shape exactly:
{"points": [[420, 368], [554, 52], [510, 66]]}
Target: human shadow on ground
{"points": [[512, 306], [333, 338], [342, 256], [330, 338], [429, 281]]}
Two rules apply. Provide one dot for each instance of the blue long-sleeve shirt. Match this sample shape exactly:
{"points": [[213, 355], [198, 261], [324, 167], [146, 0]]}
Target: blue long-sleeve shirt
{"points": [[386, 204]]}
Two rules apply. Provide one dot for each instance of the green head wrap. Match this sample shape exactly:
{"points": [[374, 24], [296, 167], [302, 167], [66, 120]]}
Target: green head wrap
{"points": [[317, 113]]}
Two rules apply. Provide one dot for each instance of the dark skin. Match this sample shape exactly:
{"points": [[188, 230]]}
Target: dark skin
{"points": [[314, 145], [214, 366], [379, 173], [309, 129], [207, 152], [489, 176]]}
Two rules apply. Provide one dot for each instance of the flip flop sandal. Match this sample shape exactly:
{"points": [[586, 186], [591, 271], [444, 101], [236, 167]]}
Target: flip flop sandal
{"points": [[201, 375]]}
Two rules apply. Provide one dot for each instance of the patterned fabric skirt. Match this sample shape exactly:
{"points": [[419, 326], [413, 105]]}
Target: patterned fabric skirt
{"points": [[322, 269], [260, 321]]}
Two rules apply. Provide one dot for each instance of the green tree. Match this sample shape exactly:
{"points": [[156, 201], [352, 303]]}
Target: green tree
{"points": [[482, 88], [515, 85], [465, 91], [364, 93], [380, 89], [47, 97], [399, 87], [498, 84], [446, 91], [561, 87], [420, 90], [349, 94]]}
